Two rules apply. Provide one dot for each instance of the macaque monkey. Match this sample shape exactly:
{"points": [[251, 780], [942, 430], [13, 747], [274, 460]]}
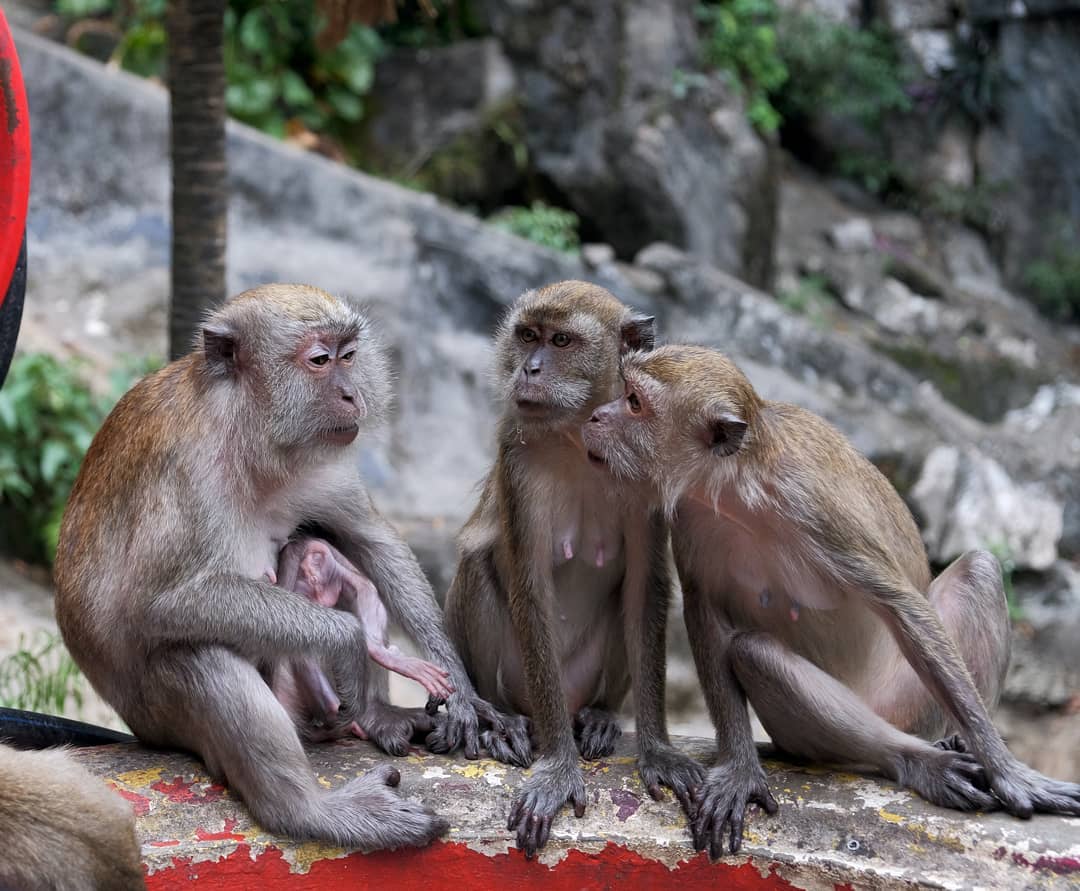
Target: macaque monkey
{"points": [[320, 572], [61, 828], [807, 591], [195, 482], [559, 604]]}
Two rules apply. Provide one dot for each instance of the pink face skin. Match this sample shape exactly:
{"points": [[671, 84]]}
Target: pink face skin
{"points": [[330, 361]]}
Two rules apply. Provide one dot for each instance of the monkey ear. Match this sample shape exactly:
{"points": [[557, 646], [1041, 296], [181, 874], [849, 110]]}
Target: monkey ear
{"points": [[639, 333], [219, 347], [726, 432]]}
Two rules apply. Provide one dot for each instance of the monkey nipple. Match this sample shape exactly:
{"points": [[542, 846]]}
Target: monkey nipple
{"points": [[600, 557], [567, 549], [794, 612]]}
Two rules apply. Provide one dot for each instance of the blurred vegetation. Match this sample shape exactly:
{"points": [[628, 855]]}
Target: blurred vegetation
{"points": [[1053, 281], [48, 416], [811, 298], [552, 227], [41, 676]]}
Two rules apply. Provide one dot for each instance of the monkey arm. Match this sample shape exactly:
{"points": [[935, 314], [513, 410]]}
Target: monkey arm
{"points": [[368, 541], [646, 597], [259, 621], [925, 643], [737, 779]]}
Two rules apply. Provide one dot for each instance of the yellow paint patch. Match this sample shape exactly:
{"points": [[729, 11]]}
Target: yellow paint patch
{"points": [[472, 771], [324, 782], [305, 854], [889, 817], [140, 778]]}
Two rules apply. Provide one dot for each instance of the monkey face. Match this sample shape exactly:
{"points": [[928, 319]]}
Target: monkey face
{"points": [[558, 352], [307, 359], [624, 435]]}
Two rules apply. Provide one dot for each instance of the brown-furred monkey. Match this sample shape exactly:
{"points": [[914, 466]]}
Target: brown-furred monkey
{"points": [[188, 492], [320, 572], [560, 600], [807, 591]]}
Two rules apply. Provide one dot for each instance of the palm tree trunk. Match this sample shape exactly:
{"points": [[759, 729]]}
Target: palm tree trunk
{"points": [[197, 142]]}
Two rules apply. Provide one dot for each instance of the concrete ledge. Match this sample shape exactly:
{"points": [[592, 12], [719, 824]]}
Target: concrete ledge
{"points": [[833, 830]]}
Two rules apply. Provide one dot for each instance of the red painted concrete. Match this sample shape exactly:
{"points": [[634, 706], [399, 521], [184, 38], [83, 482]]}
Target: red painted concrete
{"points": [[14, 157], [452, 865]]}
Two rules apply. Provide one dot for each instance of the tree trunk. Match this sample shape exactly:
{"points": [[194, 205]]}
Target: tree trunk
{"points": [[197, 142]]}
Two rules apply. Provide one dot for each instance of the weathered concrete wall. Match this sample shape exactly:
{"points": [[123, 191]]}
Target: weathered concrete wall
{"points": [[834, 830]]}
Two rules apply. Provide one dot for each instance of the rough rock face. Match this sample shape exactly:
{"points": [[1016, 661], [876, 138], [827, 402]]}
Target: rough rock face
{"points": [[1033, 151], [636, 162], [435, 119], [968, 501]]}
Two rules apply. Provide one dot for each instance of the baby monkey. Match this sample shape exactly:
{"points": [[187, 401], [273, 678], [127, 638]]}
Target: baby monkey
{"points": [[317, 570], [807, 590]]}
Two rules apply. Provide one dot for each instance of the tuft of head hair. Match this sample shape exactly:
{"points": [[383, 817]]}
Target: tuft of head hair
{"points": [[699, 376], [560, 301]]}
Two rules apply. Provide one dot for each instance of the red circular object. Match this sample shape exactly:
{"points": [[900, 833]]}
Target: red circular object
{"points": [[14, 157]]}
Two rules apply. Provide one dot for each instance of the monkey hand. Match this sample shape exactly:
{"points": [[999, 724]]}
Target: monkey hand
{"points": [[947, 776], [553, 783], [721, 803], [1024, 791], [458, 728], [664, 765], [508, 738]]}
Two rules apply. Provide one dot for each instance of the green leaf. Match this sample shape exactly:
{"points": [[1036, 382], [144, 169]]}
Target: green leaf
{"points": [[254, 33], [81, 9], [347, 106], [53, 456], [294, 91], [7, 410]]}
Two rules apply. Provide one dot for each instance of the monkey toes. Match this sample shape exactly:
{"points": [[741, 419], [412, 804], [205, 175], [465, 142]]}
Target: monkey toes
{"points": [[392, 729], [596, 732], [378, 817], [1023, 791]]}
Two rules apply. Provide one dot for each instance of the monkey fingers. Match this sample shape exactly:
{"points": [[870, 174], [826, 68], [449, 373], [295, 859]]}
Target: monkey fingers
{"points": [[508, 738], [1024, 791], [553, 784], [459, 727], [430, 676], [721, 803], [596, 732], [665, 766], [946, 777], [392, 728]]}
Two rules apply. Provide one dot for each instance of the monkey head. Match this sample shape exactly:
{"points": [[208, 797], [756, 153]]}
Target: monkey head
{"points": [[308, 363], [682, 421], [558, 352]]}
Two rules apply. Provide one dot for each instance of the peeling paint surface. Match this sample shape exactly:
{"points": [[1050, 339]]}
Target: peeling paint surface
{"points": [[834, 830]]}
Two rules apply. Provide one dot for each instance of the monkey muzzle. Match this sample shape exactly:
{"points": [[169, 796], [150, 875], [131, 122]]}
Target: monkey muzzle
{"points": [[342, 435]]}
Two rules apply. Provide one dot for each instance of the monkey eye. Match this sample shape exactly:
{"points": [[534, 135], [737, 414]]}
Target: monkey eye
{"points": [[561, 339], [320, 359], [634, 403], [527, 335], [348, 357]]}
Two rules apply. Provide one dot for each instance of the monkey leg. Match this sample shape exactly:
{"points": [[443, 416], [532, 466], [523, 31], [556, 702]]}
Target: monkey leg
{"points": [[212, 702], [596, 731], [428, 675], [808, 712], [970, 600]]}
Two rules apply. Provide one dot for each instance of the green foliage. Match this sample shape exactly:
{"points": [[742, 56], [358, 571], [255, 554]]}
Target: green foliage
{"points": [[278, 76], [453, 20], [811, 298], [48, 416], [1053, 281], [741, 39], [1008, 567], [851, 73], [552, 227], [41, 676]]}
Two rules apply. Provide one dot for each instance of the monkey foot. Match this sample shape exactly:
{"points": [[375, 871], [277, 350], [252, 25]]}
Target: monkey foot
{"points": [[596, 732], [1023, 791], [954, 743], [392, 728]]}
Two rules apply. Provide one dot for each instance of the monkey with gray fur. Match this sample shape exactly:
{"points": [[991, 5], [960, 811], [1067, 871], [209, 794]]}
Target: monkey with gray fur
{"points": [[560, 600], [807, 591], [196, 480], [62, 829], [320, 572]]}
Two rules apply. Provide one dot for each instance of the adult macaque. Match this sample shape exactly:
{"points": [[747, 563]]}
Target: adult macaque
{"points": [[560, 599], [62, 829], [807, 591], [320, 572], [197, 479]]}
